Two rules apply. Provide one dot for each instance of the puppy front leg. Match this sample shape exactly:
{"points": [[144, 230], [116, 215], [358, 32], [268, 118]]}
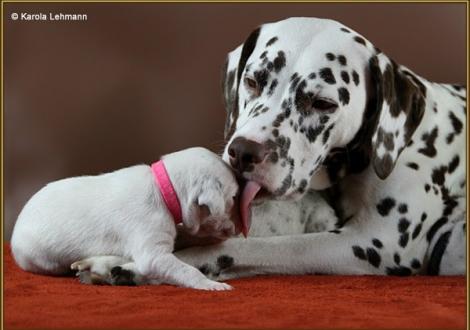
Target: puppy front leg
{"points": [[171, 270]]}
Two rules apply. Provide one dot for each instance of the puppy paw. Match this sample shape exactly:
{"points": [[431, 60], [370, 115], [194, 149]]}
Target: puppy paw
{"points": [[81, 265], [121, 276], [87, 277], [210, 285]]}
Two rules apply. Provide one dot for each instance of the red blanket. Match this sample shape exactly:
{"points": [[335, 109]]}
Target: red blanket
{"points": [[34, 301]]}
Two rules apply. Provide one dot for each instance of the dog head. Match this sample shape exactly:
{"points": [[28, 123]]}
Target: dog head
{"points": [[207, 190], [309, 100]]}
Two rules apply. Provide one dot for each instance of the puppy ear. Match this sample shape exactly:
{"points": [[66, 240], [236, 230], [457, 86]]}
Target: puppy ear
{"points": [[234, 67], [210, 203], [400, 102]]}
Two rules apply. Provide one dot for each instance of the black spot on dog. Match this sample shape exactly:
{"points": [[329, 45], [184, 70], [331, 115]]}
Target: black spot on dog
{"points": [[330, 56], [427, 187], [416, 231], [345, 77], [456, 123], [434, 262], [271, 41], [302, 186], [327, 75], [345, 30], [313, 75], [403, 225], [415, 264], [335, 231], [324, 119], [360, 40], [263, 54], [373, 257], [450, 138], [342, 59], [279, 61], [312, 133], [261, 78], [224, 261], [272, 87], [435, 227], [424, 216], [326, 135], [402, 208], [377, 243], [359, 252], [454, 163], [438, 175], [429, 139], [396, 258], [385, 206], [355, 77], [343, 95], [398, 271], [403, 241], [413, 165]]}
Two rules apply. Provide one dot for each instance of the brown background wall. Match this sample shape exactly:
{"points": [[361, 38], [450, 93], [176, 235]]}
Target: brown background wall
{"points": [[139, 80]]}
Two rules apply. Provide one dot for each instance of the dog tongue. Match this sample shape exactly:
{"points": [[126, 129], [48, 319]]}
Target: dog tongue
{"points": [[248, 194]]}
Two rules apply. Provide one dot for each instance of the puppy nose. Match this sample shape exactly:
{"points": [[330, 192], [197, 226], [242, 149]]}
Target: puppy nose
{"points": [[245, 153]]}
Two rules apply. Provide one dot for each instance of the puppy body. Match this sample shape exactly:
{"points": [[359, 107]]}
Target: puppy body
{"points": [[123, 214]]}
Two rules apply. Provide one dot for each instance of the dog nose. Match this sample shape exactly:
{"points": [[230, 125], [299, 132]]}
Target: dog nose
{"points": [[245, 153]]}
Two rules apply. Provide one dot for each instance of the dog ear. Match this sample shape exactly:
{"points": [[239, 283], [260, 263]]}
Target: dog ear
{"points": [[399, 105], [234, 67]]}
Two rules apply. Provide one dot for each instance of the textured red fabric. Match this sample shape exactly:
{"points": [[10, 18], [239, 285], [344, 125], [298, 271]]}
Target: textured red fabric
{"points": [[34, 301]]}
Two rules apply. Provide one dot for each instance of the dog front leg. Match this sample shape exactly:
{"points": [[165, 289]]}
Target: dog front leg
{"points": [[325, 253]]}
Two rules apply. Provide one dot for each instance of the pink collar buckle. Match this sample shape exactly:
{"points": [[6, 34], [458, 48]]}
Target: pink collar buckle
{"points": [[162, 179]]}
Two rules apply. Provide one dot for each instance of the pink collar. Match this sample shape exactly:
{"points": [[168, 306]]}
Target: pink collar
{"points": [[167, 190]]}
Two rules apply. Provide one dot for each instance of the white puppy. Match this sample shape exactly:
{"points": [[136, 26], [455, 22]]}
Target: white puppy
{"points": [[126, 213]]}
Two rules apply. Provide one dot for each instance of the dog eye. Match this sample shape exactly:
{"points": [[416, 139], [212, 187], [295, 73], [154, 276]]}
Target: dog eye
{"points": [[252, 85], [324, 105]]}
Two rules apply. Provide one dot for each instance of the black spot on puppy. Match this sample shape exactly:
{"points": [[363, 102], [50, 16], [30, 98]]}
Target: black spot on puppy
{"points": [[402, 208], [279, 61], [403, 241], [345, 30], [416, 231], [224, 261], [120, 276], [330, 56]]}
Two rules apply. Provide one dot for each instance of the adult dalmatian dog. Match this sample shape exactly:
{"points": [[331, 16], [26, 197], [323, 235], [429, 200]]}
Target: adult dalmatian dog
{"points": [[314, 106]]}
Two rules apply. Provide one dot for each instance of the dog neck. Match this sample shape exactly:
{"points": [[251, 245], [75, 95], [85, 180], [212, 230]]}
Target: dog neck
{"points": [[163, 181]]}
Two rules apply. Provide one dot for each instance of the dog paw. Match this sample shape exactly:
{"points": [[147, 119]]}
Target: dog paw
{"points": [[210, 285], [121, 276]]}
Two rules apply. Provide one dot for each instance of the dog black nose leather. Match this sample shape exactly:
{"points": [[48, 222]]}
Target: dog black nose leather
{"points": [[245, 153]]}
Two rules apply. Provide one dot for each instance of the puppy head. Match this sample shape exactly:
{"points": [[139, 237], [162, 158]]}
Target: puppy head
{"points": [[207, 190]]}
